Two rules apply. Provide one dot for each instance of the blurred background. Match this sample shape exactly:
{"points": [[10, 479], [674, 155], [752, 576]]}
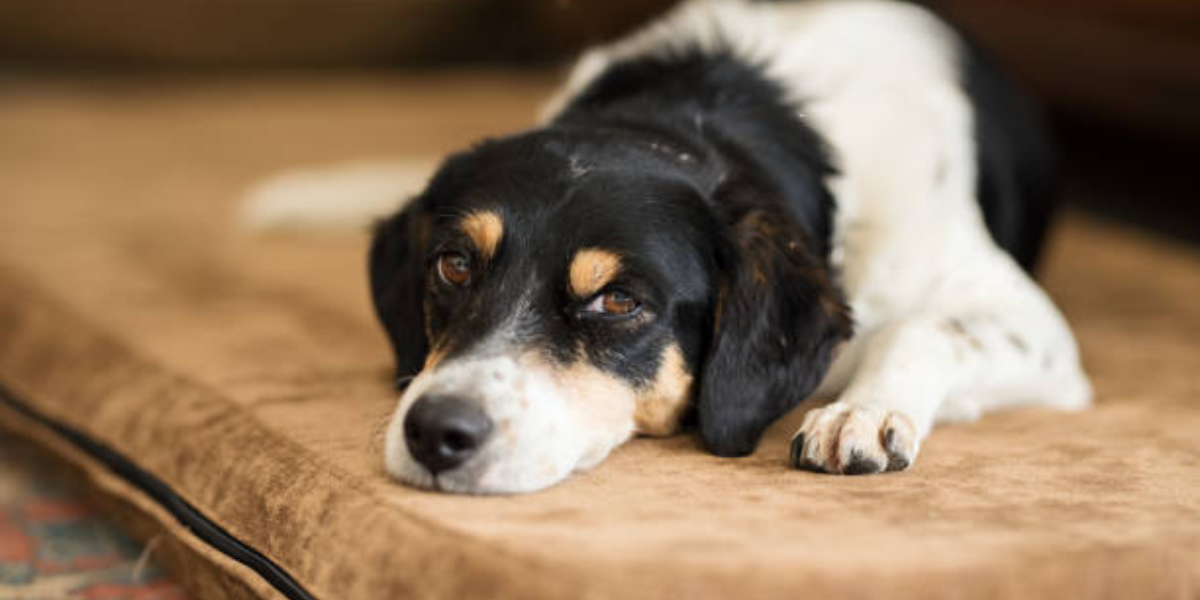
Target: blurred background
{"points": [[1120, 78]]}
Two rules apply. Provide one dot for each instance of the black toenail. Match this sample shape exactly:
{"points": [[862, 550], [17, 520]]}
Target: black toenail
{"points": [[810, 466], [798, 459], [797, 450], [896, 459], [896, 462], [861, 465]]}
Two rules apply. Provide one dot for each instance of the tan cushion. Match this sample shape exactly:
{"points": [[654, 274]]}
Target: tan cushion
{"points": [[248, 374]]}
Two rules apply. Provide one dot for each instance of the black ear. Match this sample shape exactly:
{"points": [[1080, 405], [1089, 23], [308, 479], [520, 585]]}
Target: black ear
{"points": [[778, 318], [397, 272]]}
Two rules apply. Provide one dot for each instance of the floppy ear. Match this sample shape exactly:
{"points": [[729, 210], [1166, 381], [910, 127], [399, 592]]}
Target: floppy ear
{"points": [[778, 318], [397, 272]]}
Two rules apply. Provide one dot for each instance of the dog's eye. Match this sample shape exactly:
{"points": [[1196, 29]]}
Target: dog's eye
{"points": [[616, 303], [454, 268]]}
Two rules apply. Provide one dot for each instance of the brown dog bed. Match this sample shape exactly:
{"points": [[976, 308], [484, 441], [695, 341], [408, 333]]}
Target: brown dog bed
{"points": [[226, 392]]}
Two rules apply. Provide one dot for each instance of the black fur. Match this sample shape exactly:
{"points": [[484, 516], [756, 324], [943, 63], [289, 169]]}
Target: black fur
{"points": [[780, 315], [397, 273], [558, 190], [1017, 186]]}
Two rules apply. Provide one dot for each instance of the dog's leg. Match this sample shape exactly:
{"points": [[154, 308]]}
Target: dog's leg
{"points": [[987, 339]]}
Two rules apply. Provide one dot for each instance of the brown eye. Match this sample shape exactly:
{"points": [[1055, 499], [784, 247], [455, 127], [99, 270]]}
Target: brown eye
{"points": [[454, 268], [615, 303]]}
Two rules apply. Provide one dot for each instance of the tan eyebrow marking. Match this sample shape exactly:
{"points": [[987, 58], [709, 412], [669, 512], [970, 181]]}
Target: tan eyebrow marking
{"points": [[592, 269], [485, 228], [661, 405]]}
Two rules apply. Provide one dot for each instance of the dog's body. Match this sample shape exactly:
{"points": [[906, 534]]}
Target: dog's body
{"points": [[721, 212]]}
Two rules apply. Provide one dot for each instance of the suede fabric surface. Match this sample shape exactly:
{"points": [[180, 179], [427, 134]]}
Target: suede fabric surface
{"points": [[248, 372]]}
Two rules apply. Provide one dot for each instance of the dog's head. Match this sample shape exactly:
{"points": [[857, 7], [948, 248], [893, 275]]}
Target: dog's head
{"points": [[553, 293]]}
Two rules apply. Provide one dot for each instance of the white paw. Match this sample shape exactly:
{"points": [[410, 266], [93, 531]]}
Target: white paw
{"points": [[854, 440]]}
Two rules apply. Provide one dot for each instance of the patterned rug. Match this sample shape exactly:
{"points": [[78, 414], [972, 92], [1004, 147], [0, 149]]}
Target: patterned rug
{"points": [[55, 546]]}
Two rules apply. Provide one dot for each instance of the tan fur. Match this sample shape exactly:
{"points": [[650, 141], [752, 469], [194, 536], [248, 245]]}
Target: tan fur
{"points": [[660, 406], [591, 270], [485, 228]]}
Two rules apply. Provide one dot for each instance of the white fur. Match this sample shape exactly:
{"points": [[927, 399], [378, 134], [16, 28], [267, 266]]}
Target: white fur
{"points": [[343, 196], [948, 326]]}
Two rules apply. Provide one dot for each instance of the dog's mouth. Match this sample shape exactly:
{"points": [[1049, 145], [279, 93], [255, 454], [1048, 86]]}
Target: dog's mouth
{"points": [[502, 425]]}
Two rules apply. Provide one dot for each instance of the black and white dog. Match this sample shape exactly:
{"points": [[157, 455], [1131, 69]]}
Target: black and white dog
{"points": [[740, 206]]}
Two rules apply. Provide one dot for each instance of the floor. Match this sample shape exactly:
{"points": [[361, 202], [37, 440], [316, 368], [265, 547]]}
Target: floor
{"points": [[54, 545]]}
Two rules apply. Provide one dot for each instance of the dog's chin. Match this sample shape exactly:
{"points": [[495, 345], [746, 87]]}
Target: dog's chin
{"points": [[465, 481], [481, 477], [456, 482]]}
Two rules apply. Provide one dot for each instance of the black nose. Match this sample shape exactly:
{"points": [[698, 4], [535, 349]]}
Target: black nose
{"points": [[442, 432]]}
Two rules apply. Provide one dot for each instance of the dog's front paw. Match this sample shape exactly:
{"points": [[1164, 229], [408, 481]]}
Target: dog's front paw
{"points": [[854, 440]]}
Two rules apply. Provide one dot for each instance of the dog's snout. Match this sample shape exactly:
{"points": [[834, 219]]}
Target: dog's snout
{"points": [[442, 432]]}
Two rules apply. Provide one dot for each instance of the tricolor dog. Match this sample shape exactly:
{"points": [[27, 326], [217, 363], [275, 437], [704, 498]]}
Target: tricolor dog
{"points": [[739, 207]]}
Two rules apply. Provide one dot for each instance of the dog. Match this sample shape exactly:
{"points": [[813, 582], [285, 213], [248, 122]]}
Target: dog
{"points": [[738, 207]]}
